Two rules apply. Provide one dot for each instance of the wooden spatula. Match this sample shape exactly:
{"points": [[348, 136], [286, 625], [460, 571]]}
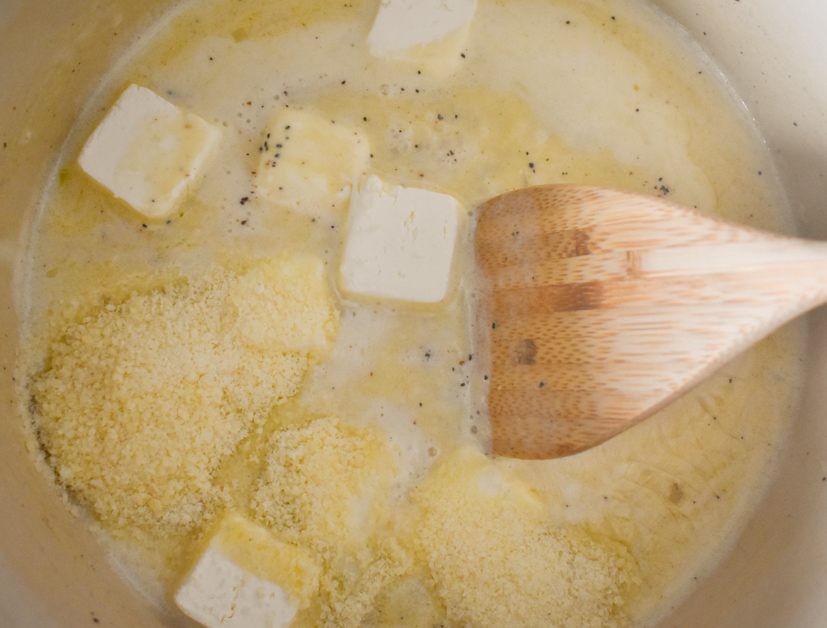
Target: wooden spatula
{"points": [[599, 307]]}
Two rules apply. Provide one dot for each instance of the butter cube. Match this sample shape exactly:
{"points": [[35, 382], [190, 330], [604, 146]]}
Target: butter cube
{"points": [[400, 244], [422, 31], [147, 151], [309, 162], [247, 578]]}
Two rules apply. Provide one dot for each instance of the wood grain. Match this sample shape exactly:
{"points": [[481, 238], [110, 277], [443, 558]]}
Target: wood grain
{"points": [[599, 307]]}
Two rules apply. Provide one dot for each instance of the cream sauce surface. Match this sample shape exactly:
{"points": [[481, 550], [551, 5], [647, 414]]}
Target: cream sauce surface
{"points": [[601, 92]]}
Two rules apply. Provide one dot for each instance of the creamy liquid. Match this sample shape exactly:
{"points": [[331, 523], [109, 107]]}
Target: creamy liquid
{"points": [[583, 91]]}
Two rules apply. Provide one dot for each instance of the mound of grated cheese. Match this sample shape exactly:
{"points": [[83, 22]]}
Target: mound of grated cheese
{"points": [[140, 400], [326, 487], [496, 561]]}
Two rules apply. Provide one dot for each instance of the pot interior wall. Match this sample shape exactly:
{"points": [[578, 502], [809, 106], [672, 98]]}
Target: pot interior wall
{"points": [[52, 573]]}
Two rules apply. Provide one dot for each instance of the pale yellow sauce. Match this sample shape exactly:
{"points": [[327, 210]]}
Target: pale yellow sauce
{"points": [[583, 91]]}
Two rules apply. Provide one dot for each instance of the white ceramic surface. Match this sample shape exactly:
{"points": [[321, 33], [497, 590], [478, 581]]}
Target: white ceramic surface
{"points": [[51, 52]]}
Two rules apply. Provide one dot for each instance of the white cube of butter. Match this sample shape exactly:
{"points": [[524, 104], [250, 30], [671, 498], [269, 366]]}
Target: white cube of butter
{"points": [[309, 162], [147, 151], [421, 30], [400, 244], [248, 579]]}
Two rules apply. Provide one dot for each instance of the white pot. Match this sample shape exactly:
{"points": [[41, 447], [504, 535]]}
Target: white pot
{"points": [[52, 572]]}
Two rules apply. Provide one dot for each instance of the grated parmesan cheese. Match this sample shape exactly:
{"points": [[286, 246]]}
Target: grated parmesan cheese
{"points": [[496, 561], [141, 400], [325, 487]]}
